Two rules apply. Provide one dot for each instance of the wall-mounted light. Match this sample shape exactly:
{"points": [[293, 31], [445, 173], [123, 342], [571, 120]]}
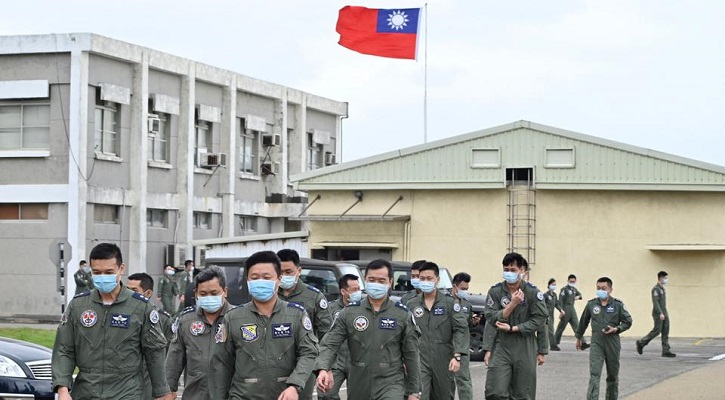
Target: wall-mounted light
{"points": [[359, 195]]}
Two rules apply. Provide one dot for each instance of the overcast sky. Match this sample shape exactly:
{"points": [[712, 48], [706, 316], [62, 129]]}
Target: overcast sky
{"points": [[650, 73]]}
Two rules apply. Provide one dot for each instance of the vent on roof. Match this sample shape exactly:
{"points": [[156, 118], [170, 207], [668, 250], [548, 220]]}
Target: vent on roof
{"points": [[485, 158], [560, 158]]}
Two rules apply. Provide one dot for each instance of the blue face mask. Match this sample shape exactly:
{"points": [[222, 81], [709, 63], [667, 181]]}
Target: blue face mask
{"points": [[415, 282], [210, 304], [427, 286], [376, 290], [261, 289], [170, 272], [552, 287], [510, 277], [463, 294], [288, 281], [602, 294], [105, 283], [356, 296]]}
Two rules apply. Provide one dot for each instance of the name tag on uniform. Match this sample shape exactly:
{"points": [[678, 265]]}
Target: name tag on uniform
{"points": [[610, 309], [120, 321], [283, 330], [439, 311], [388, 323], [465, 309], [298, 303]]}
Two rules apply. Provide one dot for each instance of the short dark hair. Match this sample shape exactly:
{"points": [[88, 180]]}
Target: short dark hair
{"points": [[552, 280], [379, 264], [606, 280], [83, 262], [513, 258], [525, 265], [264, 257], [416, 265], [187, 262], [662, 274], [430, 266], [106, 251], [344, 281], [147, 282], [461, 277], [210, 273], [571, 276], [289, 255]]}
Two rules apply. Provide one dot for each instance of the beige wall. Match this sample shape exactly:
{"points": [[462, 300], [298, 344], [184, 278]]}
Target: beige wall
{"points": [[588, 233]]}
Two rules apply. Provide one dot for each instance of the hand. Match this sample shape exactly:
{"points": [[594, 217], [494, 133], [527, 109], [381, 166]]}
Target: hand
{"points": [[503, 326], [539, 359], [561, 315], [454, 365], [289, 394], [159, 298], [182, 298], [324, 381], [517, 298], [413, 397], [63, 393], [476, 319], [172, 396], [610, 330], [487, 358], [662, 316], [167, 396], [578, 344], [578, 297]]}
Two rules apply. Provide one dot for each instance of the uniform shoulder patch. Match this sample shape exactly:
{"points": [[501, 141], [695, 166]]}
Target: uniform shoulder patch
{"points": [[401, 305], [531, 285], [496, 285], [164, 312], [296, 305], [140, 297], [354, 304], [187, 310], [83, 294], [540, 296], [314, 289]]}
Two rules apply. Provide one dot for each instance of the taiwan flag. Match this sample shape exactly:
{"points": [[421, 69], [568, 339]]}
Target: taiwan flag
{"points": [[386, 33]]}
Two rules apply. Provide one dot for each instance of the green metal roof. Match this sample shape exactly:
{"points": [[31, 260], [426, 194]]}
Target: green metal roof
{"points": [[448, 163]]}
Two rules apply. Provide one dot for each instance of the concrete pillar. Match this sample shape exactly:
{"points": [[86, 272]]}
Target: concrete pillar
{"points": [[138, 166], [229, 133], [281, 116], [185, 177], [301, 132]]}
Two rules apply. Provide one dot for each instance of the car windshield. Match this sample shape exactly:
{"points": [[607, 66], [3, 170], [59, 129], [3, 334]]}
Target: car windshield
{"points": [[352, 269]]}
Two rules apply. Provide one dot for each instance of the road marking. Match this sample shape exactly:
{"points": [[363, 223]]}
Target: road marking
{"points": [[718, 358], [699, 342]]}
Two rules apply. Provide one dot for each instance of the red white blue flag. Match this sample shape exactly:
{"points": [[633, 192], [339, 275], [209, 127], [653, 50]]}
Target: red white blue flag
{"points": [[386, 33]]}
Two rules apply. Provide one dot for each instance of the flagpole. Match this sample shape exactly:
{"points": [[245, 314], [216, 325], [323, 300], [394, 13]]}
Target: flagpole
{"points": [[425, 79]]}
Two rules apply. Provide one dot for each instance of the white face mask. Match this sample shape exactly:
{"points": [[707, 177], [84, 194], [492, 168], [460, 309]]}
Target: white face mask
{"points": [[664, 281]]}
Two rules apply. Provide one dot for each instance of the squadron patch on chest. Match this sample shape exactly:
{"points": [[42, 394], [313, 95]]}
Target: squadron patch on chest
{"points": [[89, 318], [465, 309], [361, 323], [388, 323], [596, 310], [490, 301], [283, 330], [418, 312], [505, 301], [175, 326], [221, 334], [249, 332], [610, 309], [197, 328], [439, 311], [119, 321]]}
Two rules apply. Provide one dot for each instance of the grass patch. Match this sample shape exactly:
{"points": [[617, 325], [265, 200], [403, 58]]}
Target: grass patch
{"points": [[43, 337]]}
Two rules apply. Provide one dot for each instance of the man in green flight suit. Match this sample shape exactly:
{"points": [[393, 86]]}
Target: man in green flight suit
{"points": [[461, 282], [194, 331], [292, 290], [349, 293], [552, 303], [83, 278], [106, 333], [375, 322], [265, 349], [168, 290], [143, 284], [445, 337], [183, 279], [568, 295], [414, 281], [660, 316], [517, 310], [609, 318]]}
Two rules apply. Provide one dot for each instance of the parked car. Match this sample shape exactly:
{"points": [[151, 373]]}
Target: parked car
{"points": [[401, 285], [24, 370], [324, 275]]}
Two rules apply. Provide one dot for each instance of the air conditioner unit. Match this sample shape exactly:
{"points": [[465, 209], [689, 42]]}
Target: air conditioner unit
{"points": [[271, 139], [154, 124], [271, 168], [213, 160], [330, 158]]}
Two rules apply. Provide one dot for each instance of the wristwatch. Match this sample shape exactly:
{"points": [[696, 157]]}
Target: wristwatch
{"points": [[297, 388], [457, 357]]}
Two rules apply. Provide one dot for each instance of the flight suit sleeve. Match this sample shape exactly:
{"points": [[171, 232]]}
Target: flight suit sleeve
{"points": [[331, 343], [221, 363], [461, 334], [175, 360], [161, 288], [542, 340], [63, 360], [656, 301], [578, 295], [307, 351], [556, 303], [538, 314], [323, 318], [583, 322], [492, 310], [153, 345], [489, 336], [80, 279], [411, 355], [625, 320], [174, 289]]}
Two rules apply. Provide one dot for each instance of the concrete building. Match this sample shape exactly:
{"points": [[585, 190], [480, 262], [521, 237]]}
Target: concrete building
{"points": [[102, 140], [570, 203]]}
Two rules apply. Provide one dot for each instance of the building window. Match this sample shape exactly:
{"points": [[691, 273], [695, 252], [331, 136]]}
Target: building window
{"points": [[105, 214], [246, 224], [106, 127], [314, 153], [157, 218], [158, 138], [24, 126], [485, 158], [202, 144], [30, 211], [560, 158], [248, 145], [202, 220]]}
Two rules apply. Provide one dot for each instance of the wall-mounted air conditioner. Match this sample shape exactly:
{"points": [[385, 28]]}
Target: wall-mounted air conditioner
{"points": [[271, 139], [270, 168], [330, 158], [213, 160]]}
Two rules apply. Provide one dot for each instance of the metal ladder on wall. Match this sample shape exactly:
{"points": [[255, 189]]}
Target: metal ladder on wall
{"points": [[522, 221]]}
